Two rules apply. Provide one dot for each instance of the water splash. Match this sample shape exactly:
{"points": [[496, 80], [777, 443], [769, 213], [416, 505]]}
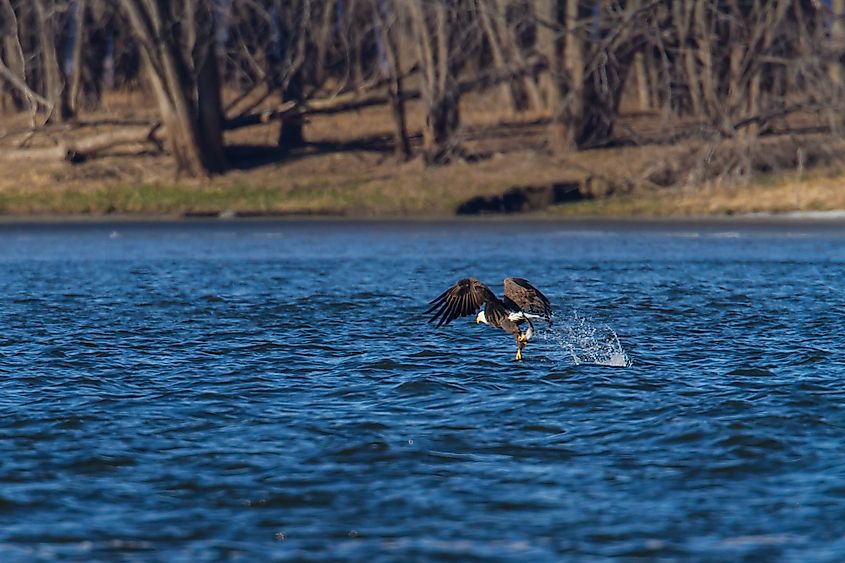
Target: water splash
{"points": [[587, 342]]}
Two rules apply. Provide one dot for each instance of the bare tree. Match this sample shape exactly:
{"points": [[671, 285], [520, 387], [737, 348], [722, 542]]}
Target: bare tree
{"points": [[12, 63], [51, 17], [177, 44], [291, 69], [389, 22], [90, 44], [598, 45], [441, 42]]}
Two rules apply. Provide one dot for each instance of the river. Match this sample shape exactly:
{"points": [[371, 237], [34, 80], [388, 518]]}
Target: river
{"points": [[270, 390]]}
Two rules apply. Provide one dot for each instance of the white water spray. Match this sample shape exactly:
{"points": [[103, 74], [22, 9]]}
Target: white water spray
{"points": [[587, 343]]}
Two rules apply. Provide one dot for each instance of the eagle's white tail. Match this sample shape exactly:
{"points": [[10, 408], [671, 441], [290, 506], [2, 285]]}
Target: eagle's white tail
{"points": [[522, 316]]}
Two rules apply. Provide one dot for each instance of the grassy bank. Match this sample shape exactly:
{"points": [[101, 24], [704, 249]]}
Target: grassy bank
{"points": [[788, 193], [354, 185], [349, 170]]}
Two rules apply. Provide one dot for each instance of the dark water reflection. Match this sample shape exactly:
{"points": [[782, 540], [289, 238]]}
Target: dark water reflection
{"points": [[206, 391]]}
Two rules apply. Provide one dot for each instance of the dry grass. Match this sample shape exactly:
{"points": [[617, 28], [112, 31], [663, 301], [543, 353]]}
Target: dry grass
{"points": [[769, 195]]}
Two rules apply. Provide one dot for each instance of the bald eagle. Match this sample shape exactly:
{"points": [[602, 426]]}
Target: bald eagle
{"points": [[521, 303]]}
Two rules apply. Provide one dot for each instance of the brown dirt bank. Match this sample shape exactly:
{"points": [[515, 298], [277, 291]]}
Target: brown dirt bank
{"points": [[360, 184], [348, 170]]}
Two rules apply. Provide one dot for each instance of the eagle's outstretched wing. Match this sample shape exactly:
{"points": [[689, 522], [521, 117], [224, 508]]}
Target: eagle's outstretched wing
{"points": [[527, 298], [462, 299]]}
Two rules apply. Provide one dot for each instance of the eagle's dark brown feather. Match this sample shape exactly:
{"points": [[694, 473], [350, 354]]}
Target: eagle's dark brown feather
{"points": [[464, 298], [522, 296], [497, 317]]}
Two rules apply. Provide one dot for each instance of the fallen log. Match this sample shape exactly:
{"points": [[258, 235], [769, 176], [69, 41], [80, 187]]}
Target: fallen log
{"points": [[79, 150]]}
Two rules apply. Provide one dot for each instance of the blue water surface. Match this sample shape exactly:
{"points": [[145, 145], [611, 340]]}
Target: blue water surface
{"points": [[204, 391]]}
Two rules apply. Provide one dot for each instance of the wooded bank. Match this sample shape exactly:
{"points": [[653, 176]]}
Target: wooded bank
{"points": [[719, 74]]}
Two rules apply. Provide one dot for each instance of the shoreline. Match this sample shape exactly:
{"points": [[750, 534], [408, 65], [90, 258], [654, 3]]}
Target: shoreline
{"points": [[835, 218]]}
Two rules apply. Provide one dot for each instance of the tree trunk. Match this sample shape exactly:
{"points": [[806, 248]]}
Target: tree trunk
{"points": [[643, 89], [548, 14], [526, 91], [14, 81], [193, 120], [124, 60], [12, 54], [90, 46], [440, 92], [837, 37], [588, 104], [388, 29], [599, 116], [210, 107], [292, 19], [658, 96], [441, 121], [292, 134], [682, 15], [494, 40], [708, 74], [55, 88], [568, 116], [76, 63]]}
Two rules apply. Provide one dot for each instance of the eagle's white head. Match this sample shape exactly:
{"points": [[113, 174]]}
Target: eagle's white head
{"points": [[481, 317]]}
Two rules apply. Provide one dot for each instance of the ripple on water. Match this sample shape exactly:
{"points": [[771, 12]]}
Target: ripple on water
{"points": [[428, 386]]}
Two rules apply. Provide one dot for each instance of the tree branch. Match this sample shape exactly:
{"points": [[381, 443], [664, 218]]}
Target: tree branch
{"points": [[353, 101]]}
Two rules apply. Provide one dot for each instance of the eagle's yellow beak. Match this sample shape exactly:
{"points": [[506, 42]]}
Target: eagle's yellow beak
{"points": [[477, 321]]}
